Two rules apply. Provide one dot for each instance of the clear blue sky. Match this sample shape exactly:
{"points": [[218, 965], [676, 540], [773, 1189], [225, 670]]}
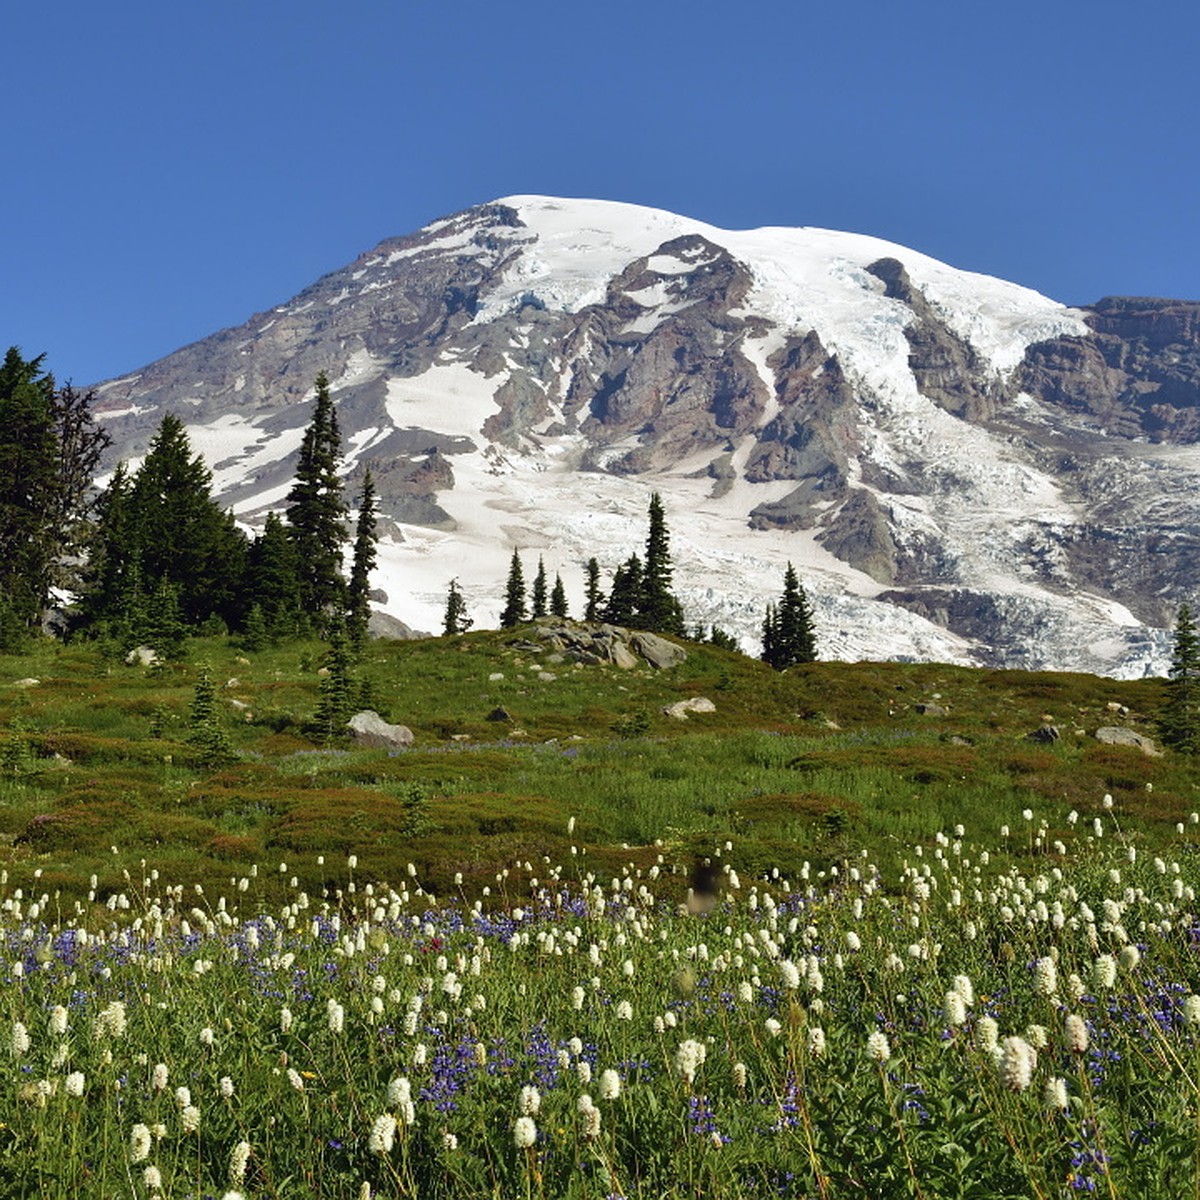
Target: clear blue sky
{"points": [[172, 167]]}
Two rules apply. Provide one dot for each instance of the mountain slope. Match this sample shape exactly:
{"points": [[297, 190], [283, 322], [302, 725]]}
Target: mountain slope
{"points": [[960, 468]]}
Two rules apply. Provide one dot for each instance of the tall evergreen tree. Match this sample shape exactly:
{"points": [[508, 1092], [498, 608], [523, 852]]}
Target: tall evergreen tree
{"points": [[657, 607], [162, 526], [108, 579], [540, 596], [28, 485], [1179, 723], [180, 534], [272, 581], [515, 610], [558, 598], [81, 442], [788, 635], [316, 510], [49, 448], [455, 619], [592, 596], [366, 536]]}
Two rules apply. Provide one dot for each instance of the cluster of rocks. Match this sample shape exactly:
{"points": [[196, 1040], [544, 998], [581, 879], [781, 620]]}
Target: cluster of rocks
{"points": [[604, 644], [1108, 735]]}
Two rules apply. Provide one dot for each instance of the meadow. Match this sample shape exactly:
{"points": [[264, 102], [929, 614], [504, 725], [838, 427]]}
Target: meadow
{"points": [[852, 934]]}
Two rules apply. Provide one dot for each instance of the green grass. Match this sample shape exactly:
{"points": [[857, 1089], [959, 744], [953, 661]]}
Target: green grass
{"points": [[795, 766]]}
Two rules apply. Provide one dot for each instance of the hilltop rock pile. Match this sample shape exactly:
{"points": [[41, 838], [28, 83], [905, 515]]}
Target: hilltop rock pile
{"points": [[604, 644]]}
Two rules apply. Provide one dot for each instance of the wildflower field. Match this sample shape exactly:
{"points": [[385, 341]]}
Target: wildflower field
{"points": [[853, 934], [961, 1029]]}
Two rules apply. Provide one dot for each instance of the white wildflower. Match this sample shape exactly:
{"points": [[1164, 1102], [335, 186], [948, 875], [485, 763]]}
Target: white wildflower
{"points": [[878, 1048], [524, 1132], [1017, 1062], [383, 1135], [237, 1162], [987, 1034], [1056, 1093]]}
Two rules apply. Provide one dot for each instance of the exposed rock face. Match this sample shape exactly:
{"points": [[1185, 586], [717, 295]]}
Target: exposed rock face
{"points": [[946, 367], [1137, 374], [959, 467]]}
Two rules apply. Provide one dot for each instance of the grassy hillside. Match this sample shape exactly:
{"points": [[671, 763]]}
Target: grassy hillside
{"points": [[811, 765]]}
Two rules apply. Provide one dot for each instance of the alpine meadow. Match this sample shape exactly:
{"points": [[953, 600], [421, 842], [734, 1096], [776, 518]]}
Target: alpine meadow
{"points": [[800, 800]]}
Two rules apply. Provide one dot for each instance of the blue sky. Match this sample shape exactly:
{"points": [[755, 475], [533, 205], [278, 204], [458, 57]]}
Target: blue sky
{"points": [[172, 168]]}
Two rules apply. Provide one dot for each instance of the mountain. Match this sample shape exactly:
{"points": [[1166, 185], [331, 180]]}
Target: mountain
{"points": [[960, 468]]}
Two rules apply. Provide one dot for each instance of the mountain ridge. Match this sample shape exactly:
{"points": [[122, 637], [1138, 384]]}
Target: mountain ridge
{"points": [[961, 468]]}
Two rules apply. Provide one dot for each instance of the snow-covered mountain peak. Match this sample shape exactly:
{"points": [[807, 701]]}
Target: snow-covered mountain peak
{"points": [[958, 464]]}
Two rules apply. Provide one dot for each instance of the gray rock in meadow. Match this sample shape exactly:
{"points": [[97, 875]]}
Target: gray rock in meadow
{"points": [[1045, 733], [657, 651], [620, 655], [369, 729], [142, 656], [931, 710], [1116, 735], [695, 704], [25, 683]]}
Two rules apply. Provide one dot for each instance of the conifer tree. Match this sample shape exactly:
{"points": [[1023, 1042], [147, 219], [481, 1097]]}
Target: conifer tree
{"points": [[272, 581], [366, 535], [180, 534], [592, 596], [455, 619], [558, 598], [316, 511], [28, 480], [657, 607], [1180, 720], [625, 592], [788, 636], [107, 583], [336, 692], [539, 590], [205, 731], [49, 449], [162, 525], [770, 635], [161, 627], [515, 610]]}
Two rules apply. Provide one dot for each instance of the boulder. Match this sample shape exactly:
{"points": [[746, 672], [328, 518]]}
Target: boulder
{"points": [[657, 651], [695, 704], [141, 656], [1116, 735], [368, 728], [620, 654]]}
